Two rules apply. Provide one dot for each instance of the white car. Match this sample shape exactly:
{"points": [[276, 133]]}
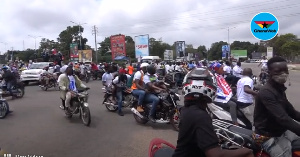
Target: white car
{"points": [[33, 74]]}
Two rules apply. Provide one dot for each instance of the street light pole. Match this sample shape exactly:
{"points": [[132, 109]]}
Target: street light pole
{"points": [[229, 54], [79, 25], [34, 37]]}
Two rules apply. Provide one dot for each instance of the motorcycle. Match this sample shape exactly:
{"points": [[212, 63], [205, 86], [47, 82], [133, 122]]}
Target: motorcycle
{"points": [[18, 89], [52, 83], [97, 74], [175, 76], [224, 115], [128, 100], [230, 135], [4, 107], [87, 75], [80, 105], [167, 110]]}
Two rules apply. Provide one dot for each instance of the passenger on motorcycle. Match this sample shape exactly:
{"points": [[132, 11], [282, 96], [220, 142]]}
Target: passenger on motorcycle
{"points": [[10, 80], [107, 79], [275, 119], [224, 92], [120, 83], [137, 87], [227, 69], [264, 68], [197, 137], [69, 85], [152, 86], [237, 70], [46, 76], [245, 94]]}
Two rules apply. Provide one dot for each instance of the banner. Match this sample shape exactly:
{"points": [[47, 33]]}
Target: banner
{"points": [[225, 51], [168, 55], [141, 46], [85, 55], [73, 50], [180, 48], [118, 47], [269, 52], [239, 54]]}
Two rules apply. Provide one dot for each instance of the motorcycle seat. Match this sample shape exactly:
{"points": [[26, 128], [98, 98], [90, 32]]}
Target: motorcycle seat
{"points": [[245, 133]]}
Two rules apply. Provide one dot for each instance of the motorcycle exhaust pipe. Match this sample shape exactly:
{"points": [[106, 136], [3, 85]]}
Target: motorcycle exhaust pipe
{"points": [[137, 112], [111, 104]]}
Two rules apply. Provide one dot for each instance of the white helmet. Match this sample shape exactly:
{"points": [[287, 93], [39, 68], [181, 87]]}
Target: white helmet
{"points": [[199, 83], [144, 65]]}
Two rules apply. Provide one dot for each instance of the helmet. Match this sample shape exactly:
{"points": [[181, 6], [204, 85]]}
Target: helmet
{"points": [[144, 65], [4, 67], [199, 84], [151, 69]]}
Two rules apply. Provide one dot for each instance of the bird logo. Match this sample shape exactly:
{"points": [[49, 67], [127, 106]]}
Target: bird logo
{"points": [[264, 24]]}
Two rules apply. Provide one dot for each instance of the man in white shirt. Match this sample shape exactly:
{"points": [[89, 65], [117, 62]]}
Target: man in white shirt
{"points": [[237, 70], [264, 68], [245, 94], [227, 69], [167, 67]]}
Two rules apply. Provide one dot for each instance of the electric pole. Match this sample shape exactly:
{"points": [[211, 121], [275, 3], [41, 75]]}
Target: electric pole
{"points": [[95, 32]]}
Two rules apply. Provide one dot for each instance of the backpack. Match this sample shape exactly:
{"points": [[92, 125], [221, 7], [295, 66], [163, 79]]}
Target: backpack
{"points": [[129, 82]]}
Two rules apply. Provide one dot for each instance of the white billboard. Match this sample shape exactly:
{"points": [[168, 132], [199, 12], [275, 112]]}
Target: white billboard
{"points": [[141, 46], [269, 52], [168, 55]]}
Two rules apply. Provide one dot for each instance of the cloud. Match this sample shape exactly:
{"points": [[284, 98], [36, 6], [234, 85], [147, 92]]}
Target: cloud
{"points": [[196, 22]]}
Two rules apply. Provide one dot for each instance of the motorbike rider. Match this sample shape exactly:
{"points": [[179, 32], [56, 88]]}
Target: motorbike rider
{"points": [[276, 121], [94, 69], [10, 80], [45, 76], [152, 86], [224, 92], [107, 79], [69, 84], [120, 85], [237, 70], [264, 68], [197, 137], [245, 94], [227, 69], [138, 89]]}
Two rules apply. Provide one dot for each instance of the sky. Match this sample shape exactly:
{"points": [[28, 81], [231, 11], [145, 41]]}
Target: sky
{"points": [[197, 22]]}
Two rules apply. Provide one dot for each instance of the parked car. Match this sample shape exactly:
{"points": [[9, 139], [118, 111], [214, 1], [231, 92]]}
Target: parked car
{"points": [[33, 74]]}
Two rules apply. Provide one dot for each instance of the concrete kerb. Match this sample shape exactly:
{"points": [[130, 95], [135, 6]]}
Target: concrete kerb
{"points": [[294, 66]]}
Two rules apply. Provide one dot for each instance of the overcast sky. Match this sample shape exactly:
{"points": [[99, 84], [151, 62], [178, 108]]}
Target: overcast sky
{"points": [[198, 22]]}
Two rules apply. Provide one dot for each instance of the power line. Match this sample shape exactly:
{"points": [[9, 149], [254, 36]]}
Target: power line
{"points": [[255, 5], [207, 19], [201, 26]]}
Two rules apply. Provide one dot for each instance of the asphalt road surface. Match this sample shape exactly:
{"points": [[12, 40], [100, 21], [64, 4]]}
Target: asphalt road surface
{"points": [[39, 127]]}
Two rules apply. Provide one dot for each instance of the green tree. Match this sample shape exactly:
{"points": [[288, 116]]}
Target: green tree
{"points": [[215, 52], [202, 51], [66, 37]]}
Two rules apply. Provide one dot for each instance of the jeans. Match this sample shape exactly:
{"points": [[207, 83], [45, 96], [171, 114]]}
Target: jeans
{"points": [[280, 146], [232, 105], [155, 100], [8, 87], [119, 95], [140, 94]]}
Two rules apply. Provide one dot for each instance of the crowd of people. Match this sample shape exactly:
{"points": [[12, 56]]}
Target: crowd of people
{"points": [[269, 111]]}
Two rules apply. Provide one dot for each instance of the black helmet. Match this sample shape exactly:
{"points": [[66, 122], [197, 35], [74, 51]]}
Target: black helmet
{"points": [[151, 69]]}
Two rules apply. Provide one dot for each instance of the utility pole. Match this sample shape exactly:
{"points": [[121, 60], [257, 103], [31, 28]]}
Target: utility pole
{"points": [[95, 32], [34, 37]]}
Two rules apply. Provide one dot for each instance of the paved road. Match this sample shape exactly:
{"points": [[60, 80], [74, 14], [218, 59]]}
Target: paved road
{"points": [[38, 127]]}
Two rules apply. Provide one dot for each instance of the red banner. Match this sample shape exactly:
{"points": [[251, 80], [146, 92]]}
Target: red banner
{"points": [[118, 47]]}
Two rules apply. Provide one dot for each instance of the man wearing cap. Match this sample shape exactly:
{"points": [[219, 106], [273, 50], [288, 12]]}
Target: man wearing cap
{"points": [[224, 92]]}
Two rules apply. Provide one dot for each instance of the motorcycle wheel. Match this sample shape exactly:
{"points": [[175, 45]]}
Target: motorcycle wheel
{"points": [[20, 93], [44, 88], [139, 119], [85, 116], [87, 79], [4, 109], [109, 107], [174, 120]]}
